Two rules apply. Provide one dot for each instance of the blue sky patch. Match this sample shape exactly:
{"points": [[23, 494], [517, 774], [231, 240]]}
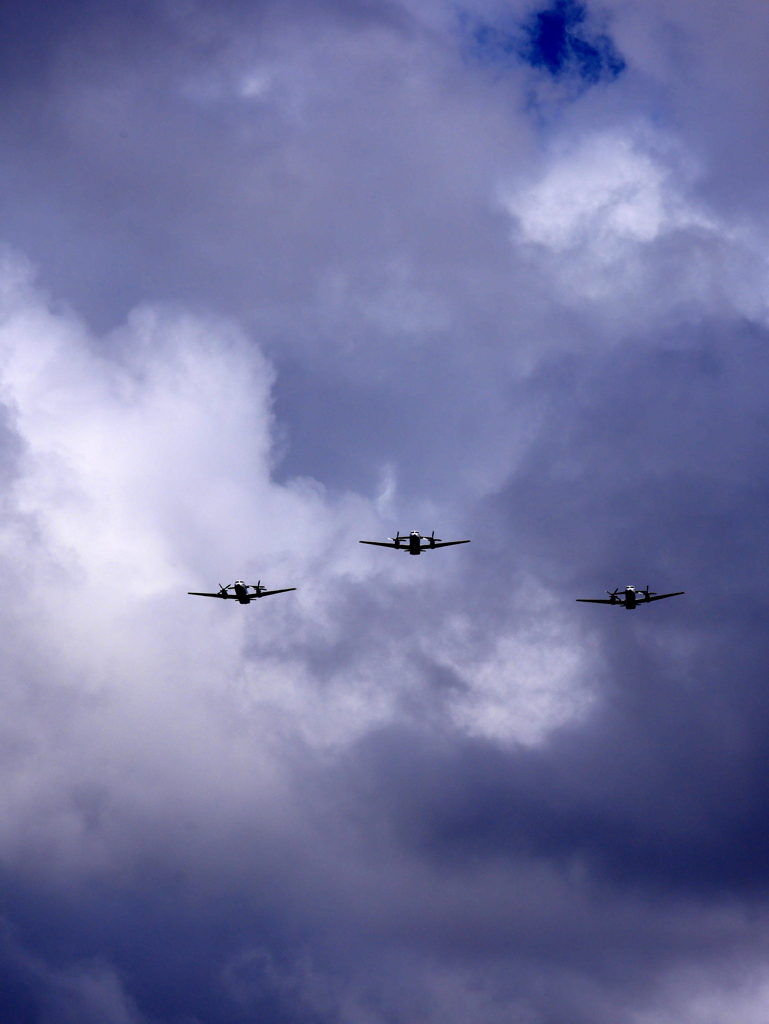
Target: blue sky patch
{"points": [[559, 39]]}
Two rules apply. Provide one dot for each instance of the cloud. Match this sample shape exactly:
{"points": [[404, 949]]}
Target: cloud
{"points": [[614, 222], [143, 469], [531, 681], [607, 192], [740, 995], [308, 274], [165, 750]]}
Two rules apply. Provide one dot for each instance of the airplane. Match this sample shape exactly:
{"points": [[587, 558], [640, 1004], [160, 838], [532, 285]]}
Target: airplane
{"points": [[413, 543], [629, 597], [242, 592]]}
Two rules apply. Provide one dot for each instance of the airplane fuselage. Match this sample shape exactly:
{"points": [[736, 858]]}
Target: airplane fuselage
{"points": [[635, 597], [242, 594], [415, 544]]}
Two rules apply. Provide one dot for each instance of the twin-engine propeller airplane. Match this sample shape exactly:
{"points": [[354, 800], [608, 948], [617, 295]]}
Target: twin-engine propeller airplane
{"points": [[413, 543], [629, 598], [242, 592]]}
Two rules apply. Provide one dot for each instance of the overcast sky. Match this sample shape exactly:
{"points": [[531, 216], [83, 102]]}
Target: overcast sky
{"points": [[278, 277]]}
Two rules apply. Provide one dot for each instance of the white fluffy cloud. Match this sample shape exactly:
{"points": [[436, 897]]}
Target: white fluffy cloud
{"points": [[601, 193], [615, 220], [143, 470]]}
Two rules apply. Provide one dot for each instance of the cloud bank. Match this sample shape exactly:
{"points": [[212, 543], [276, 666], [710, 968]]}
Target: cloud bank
{"points": [[274, 281]]}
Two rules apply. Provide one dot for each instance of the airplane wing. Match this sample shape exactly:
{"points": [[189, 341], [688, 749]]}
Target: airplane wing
{"points": [[659, 597], [599, 600], [267, 593], [446, 543], [383, 544], [197, 593]]}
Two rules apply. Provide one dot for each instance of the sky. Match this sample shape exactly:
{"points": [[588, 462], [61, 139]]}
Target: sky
{"points": [[276, 278]]}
